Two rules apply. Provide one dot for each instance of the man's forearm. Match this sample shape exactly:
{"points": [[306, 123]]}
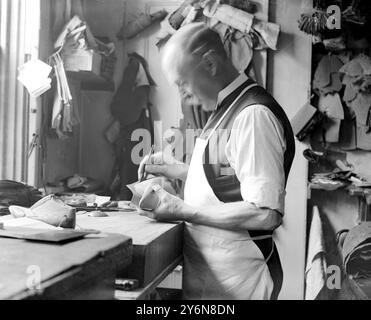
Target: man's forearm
{"points": [[236, 216], [184, 172]]}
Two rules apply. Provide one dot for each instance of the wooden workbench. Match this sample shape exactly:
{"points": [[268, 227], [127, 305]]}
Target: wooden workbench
{"points": [[156, 250], [157, 247], [83, 269]]}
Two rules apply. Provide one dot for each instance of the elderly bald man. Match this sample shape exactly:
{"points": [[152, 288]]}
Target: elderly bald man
{"points": [[232, 205]]}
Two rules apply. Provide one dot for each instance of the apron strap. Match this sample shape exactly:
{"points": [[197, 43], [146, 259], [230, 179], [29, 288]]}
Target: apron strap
{"points": [[269, 250]]}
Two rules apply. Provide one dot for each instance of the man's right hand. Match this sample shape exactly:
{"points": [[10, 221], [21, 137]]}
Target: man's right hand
{"points": [[163, 164]]}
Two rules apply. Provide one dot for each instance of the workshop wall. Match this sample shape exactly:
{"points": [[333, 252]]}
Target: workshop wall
{"points": [[289, 82], [96, 158]]}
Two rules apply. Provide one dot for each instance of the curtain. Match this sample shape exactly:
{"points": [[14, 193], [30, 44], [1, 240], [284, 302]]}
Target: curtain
{"points": [[13, 100]]}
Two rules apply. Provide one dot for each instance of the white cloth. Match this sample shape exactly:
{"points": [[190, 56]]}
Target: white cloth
{"points": [[236, 18], [255, 151], [315, 271]]}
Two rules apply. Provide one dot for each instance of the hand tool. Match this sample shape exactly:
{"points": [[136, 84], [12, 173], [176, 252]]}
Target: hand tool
{"points": [[151, 153]]}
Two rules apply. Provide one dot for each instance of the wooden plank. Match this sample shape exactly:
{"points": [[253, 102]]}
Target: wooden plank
{"points": [[93, 281], [155, 245], [21, 260], [143, 293]]}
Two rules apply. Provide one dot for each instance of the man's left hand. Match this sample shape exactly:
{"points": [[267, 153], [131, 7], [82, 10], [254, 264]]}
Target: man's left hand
{"points": [[169, 207]]}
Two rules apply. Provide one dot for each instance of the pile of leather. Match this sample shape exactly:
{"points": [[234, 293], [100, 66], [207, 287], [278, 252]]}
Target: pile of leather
{"points": [[15, 193]]}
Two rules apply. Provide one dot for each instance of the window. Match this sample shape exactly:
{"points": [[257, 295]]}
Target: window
{"points": [[19, 28]]}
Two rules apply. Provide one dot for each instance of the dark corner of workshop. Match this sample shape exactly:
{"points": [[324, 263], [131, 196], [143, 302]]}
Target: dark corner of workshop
{"points": [[185, 150]]}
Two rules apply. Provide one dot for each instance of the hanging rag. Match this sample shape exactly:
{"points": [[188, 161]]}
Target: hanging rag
{"points": [[264, 34], [74, 40], [315, 270], [267, 34], [237, 19], [185, 14], [131, 109], [178, 16], [132, 95], [245, 5], [237, 45], [64, 115], [141, 23], [239, 30]]}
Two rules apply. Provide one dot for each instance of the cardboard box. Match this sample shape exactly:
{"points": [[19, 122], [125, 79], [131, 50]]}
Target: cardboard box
{"points": [[87, 61]]}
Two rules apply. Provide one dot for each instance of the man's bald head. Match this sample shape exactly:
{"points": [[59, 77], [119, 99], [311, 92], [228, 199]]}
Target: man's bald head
{"points": [[190, 43], [194, 58]]}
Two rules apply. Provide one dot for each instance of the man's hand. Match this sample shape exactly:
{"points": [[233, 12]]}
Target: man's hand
{"points": [[163, 164], [169, 207]]}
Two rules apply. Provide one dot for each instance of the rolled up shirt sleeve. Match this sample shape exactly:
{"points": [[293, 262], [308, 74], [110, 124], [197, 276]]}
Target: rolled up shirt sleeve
{"points": [[255, 150]]}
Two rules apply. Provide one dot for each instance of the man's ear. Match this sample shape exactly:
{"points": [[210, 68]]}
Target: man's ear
{"points": [[210, 61]]}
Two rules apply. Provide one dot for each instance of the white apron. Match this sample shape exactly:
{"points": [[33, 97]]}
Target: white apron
{"points": [[219, 264]]}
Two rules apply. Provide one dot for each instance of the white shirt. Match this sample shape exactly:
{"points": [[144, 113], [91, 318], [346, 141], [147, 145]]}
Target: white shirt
{"points": [[255, 151]]}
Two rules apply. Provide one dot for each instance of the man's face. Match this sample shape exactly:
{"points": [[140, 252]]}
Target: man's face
{"points": [[195, 83]]}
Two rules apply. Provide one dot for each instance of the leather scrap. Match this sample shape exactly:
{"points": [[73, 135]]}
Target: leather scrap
{"points": [[332, 106], [327, 77], [361, 106], [363, 138]]}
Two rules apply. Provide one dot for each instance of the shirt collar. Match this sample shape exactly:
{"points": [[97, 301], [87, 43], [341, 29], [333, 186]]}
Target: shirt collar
{"points": [[240, 80]]}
